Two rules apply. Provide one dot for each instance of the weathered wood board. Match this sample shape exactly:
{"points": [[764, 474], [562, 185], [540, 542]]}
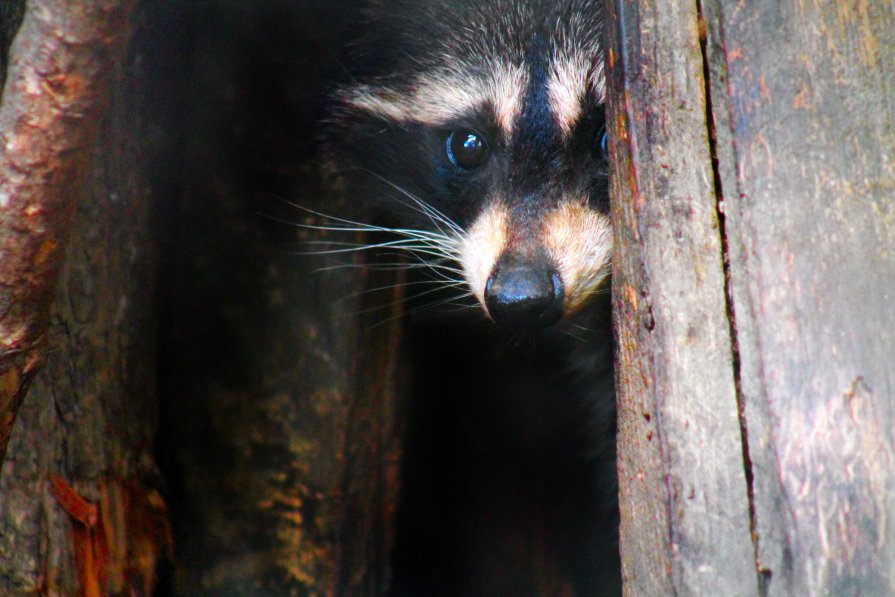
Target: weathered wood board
{"points": [[763, 157]]}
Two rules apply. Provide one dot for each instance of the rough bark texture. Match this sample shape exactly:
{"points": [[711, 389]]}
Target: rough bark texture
{"points": [[80, 507], [56, 86], [765, 157]]}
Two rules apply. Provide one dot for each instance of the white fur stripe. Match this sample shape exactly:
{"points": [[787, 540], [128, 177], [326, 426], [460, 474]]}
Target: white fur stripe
{"points": [[482, 246], [438, 98], [569, 80]]}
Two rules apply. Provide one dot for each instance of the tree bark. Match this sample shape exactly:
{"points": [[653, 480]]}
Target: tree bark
{"points": [[754, 273], [56, 86], [80, 508]]}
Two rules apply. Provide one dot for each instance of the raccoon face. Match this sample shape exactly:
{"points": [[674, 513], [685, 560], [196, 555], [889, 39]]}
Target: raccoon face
{"points": [[489, 116]]}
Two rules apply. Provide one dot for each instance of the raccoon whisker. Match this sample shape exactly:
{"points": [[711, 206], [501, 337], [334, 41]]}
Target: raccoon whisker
{"points": [[392, 286], [334, 243], [448, 245], [421, 308], [459, 302], [422, 245], [440, 303], [427, 209], [458, 307], [367, 291], [437, 268], [408, 232], [427, 235], [602, 290], [428, 251], [437, 263], [423, 206], [392, 266], [446, 250], [442, 273], [353, 226], [406, 299], [441, 268], [404, 244], [444, 226], [417, 252], [573, 336], [444, 244], [454, 307], [427, 264]]}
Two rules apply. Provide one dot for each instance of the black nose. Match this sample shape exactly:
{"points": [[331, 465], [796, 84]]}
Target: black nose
{"points": [[522, 295]]}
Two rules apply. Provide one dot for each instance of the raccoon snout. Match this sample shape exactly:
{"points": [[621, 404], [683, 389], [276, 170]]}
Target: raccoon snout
{"points": [[524, 295]]}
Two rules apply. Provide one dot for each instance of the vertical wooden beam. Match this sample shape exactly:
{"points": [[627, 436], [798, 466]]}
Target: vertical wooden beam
{"points": [[683, 491]]}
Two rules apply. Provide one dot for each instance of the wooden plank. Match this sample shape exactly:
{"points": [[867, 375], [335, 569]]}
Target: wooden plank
{"points": [[803, 102], [685, 518]]}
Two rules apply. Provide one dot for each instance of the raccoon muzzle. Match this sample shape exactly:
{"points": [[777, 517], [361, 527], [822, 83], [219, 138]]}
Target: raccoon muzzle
{"points": [[524, 293]]}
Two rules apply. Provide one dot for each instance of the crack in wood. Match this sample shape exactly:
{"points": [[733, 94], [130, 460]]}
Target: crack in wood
{"points": [[764, 574]]}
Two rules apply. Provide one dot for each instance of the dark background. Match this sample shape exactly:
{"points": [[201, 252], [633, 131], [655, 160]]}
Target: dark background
{"points": [[237, 91], [252, 336]]}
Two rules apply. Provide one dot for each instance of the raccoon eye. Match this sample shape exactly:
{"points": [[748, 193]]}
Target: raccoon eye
{"points": [[601, 144], [465, 149]]}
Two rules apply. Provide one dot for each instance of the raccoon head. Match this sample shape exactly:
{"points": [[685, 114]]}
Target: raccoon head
{"points": [[490, 114]]}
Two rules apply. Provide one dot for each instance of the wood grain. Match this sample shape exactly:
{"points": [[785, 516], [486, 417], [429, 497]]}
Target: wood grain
{"points": [[755, 223]]}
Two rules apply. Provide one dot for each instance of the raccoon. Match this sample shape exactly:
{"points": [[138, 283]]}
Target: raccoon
{"points": [[473, 131]]}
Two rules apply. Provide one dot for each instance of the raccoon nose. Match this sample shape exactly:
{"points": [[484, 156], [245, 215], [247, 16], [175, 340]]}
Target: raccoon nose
{"points": [[523, 295]]}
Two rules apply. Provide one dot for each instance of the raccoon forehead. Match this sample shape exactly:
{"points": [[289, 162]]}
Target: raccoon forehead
{"points": [[444, 95], [570, 79]]}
